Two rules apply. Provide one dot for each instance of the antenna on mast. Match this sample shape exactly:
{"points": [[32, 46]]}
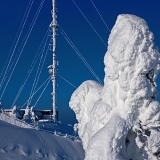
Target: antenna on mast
{"points": [[52, 68]]}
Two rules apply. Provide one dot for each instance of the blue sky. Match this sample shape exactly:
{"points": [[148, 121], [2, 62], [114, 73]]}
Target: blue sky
{"points": [[79, 31]]}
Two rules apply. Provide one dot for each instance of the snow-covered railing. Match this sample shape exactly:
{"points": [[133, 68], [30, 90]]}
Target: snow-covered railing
{"points": [[74, 138], [71, 137]]}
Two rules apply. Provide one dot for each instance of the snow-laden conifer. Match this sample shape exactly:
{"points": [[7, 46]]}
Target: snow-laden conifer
{"points": [[121, 120]]}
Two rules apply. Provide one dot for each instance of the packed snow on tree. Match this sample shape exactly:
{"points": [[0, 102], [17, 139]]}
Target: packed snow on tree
{"points": [[120, 120]]}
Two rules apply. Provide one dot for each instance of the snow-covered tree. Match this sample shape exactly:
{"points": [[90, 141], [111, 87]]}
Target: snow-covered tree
{"points": [[29, 115], [33, 116], [121, 120], [16, 112], [1, 107]]}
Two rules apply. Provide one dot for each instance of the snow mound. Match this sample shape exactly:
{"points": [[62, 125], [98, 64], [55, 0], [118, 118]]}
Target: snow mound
{"points": [[121, 120], [14, 121], [30, 144]]}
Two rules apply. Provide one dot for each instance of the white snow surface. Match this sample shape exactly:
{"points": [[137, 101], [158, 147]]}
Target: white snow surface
{"points": [[17, 143], [121, 119]]}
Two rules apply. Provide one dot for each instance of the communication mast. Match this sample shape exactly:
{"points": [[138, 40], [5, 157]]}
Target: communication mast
{"points": [[53, 68]]}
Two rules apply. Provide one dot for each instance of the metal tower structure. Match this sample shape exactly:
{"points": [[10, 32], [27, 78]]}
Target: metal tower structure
{"points": [[53, 68]]}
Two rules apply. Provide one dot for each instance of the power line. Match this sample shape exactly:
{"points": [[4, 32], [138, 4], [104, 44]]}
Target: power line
{"points": [[100, 16], [36, 91], [66, 81], [32, 25], [80, 55], [42, 93], [38, 73], [89, 23], [21, 30], [29, 71]]}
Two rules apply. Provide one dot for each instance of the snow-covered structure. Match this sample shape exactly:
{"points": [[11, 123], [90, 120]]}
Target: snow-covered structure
{"points": [[121, 120]]}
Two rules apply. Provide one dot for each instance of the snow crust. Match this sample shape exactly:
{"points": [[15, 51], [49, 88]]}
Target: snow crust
{"points": [[121, 120]]}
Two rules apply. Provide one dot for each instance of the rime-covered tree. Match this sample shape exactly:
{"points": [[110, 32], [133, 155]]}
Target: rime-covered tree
{"points": [[121, 120], [16, 112], [29, 115], [1, 107]]}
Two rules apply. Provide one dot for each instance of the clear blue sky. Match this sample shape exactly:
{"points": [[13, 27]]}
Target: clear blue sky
{"points": [[78, 30]]}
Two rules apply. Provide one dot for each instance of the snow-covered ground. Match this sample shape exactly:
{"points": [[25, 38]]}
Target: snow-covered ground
{"points": [[18, 143]]}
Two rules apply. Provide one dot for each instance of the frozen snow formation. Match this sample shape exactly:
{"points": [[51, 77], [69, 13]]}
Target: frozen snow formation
{"points": [[121, 120]]}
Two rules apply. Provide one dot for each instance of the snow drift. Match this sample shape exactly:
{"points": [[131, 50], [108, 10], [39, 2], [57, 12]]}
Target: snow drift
{"points": [[121, 120], [14, 121], [46, 140], [19, 143]]}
